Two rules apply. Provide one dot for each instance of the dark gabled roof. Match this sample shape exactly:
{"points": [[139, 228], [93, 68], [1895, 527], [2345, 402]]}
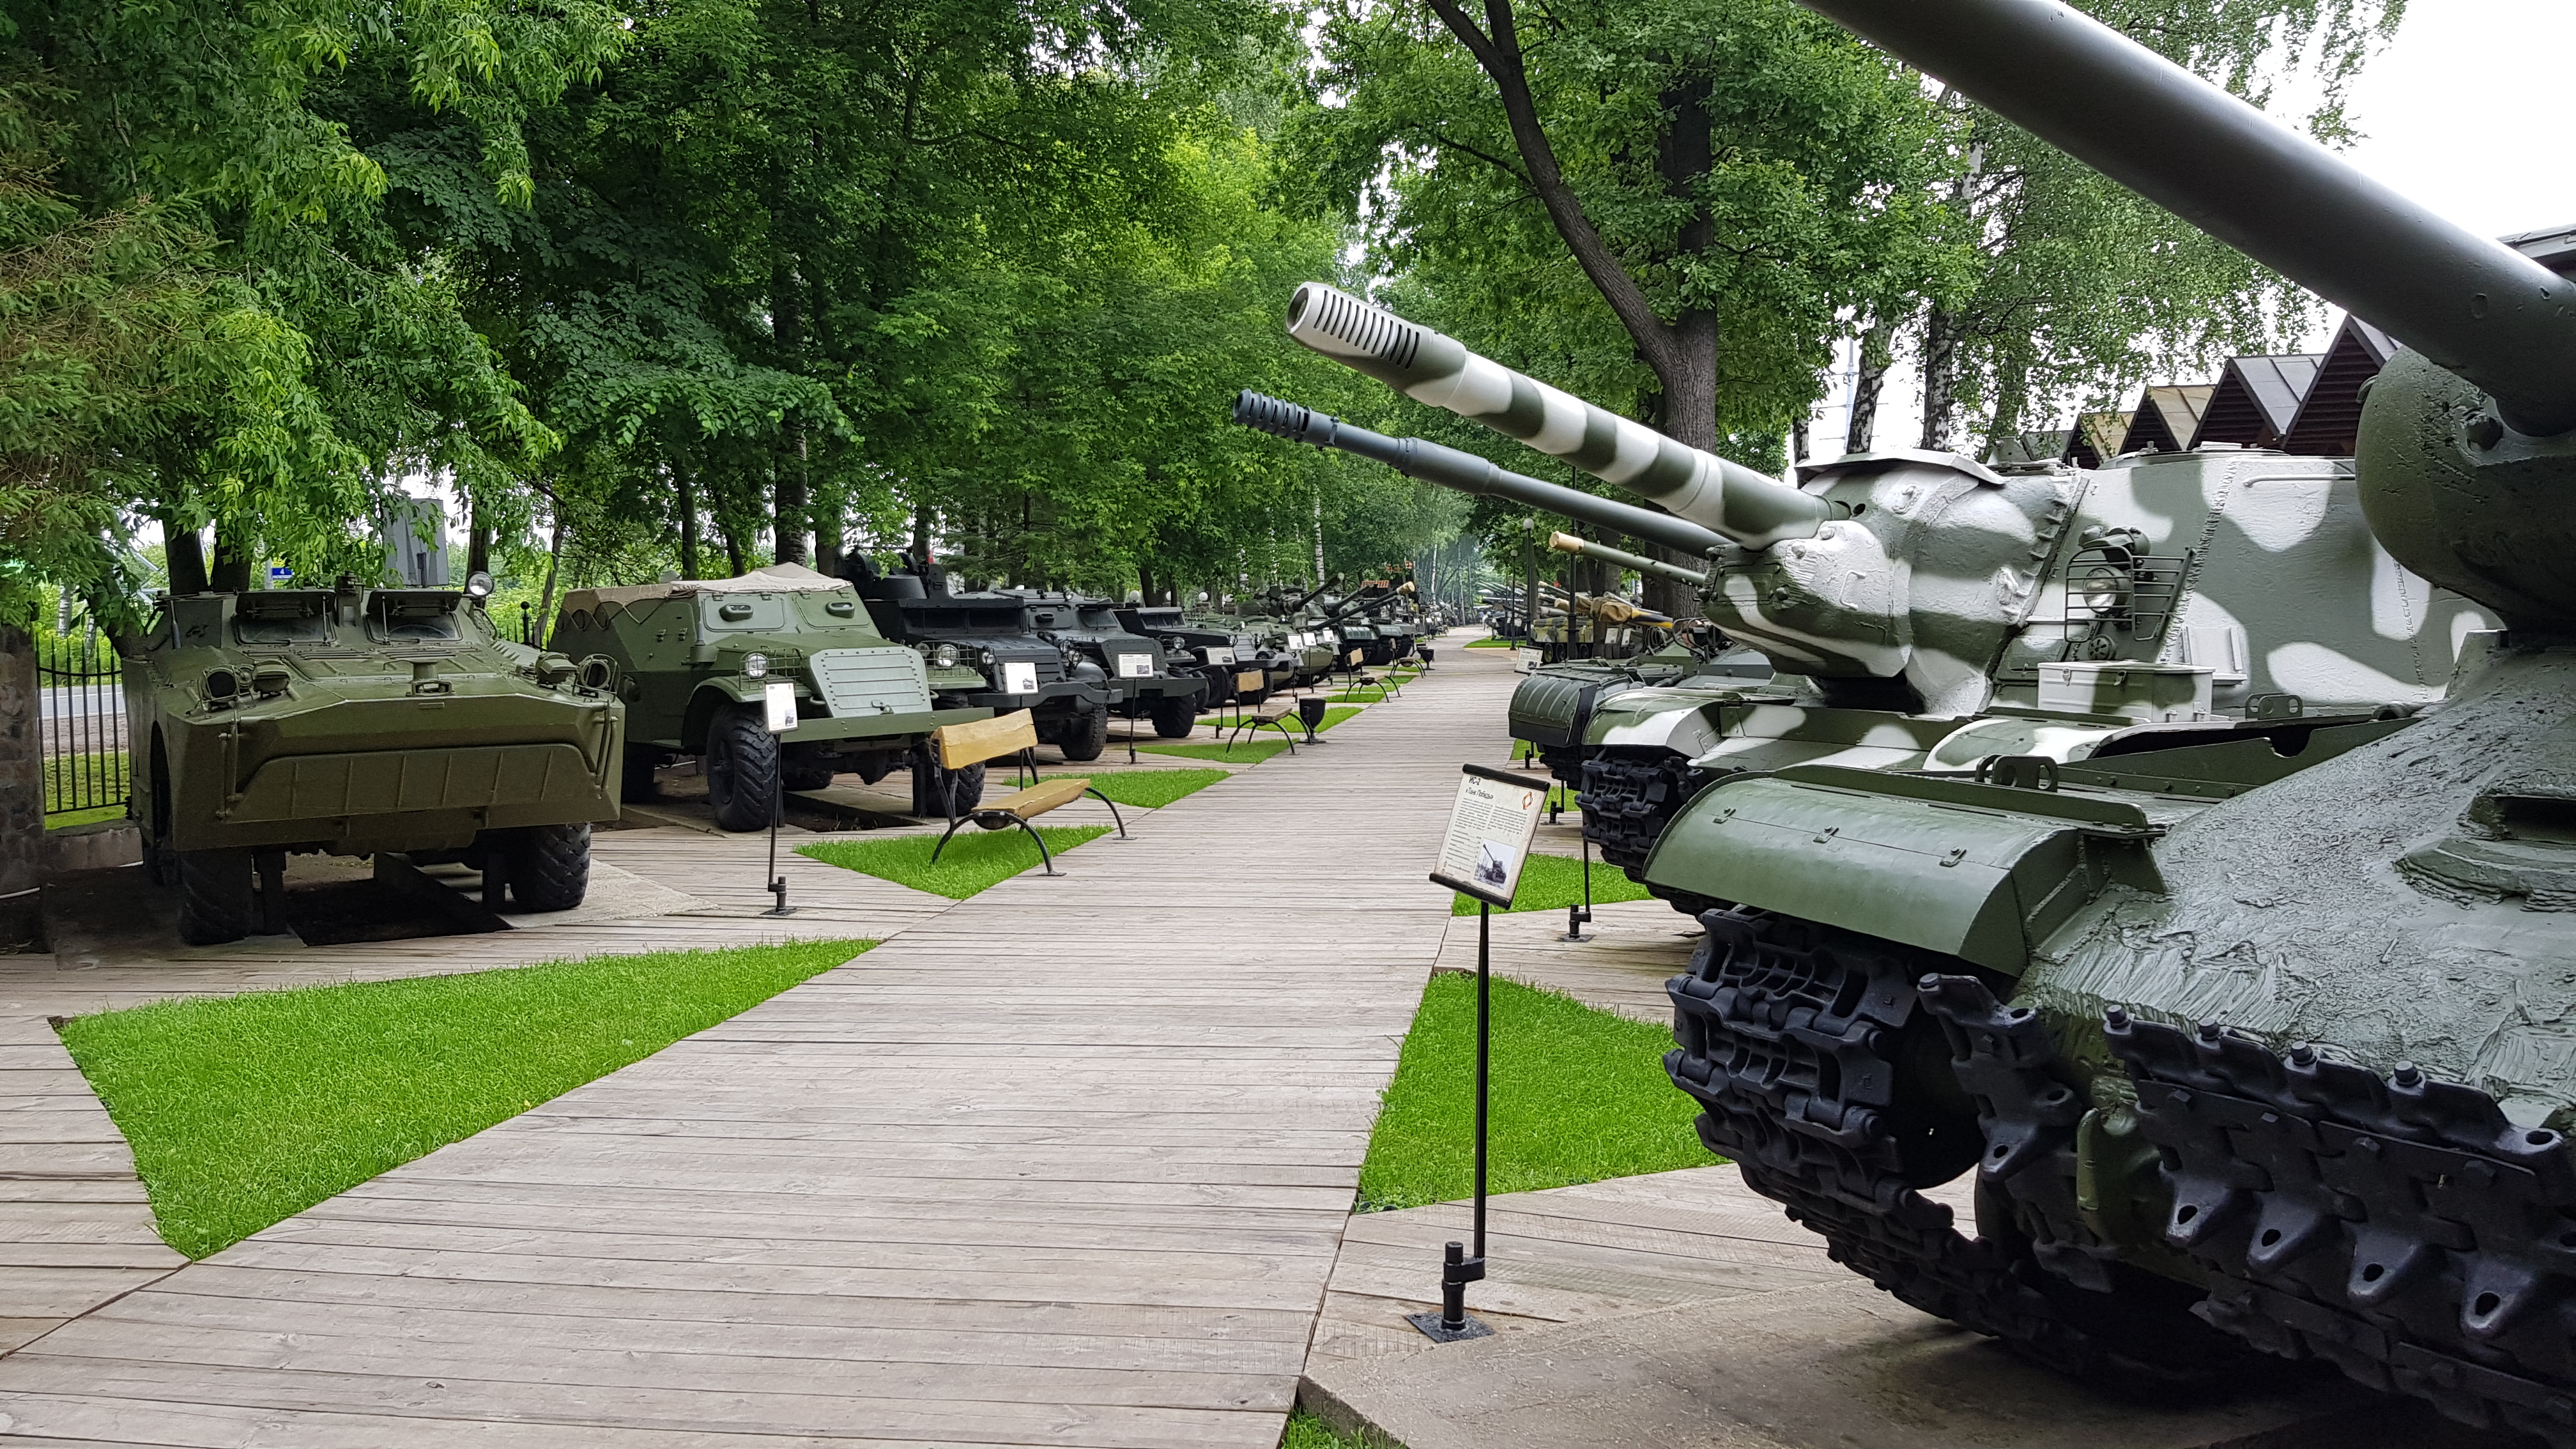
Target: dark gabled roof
{"points": [[2256, 399], [2095, 436], [2031, 447], [2330, 416], [2553, 247], [2166, 417]]}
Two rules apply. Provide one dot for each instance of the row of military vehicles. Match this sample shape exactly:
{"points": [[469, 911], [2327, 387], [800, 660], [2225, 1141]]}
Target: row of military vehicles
{"points": [[354, 720], [2183, 847]]}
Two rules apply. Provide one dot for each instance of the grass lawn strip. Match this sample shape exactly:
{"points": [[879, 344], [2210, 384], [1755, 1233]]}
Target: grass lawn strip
{"points": [[975, 858], [1248, 749], [1145, 789], [1553, 882], [247, 1109], [1494, 644], [1578, 1096], [1305, 1431]]}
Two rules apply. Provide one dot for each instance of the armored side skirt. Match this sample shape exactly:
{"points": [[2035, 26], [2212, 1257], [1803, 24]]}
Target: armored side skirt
{"points": [[368, 800]]}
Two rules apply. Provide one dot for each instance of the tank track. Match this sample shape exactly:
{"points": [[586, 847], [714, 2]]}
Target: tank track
{"points": [[2399, 1228], [1627, 801], [1818, 1060]]}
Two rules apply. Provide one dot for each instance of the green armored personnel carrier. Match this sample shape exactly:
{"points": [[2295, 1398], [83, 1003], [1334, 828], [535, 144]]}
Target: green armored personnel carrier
{"points": [[695, 658], [1143, 682], [350, 721]]}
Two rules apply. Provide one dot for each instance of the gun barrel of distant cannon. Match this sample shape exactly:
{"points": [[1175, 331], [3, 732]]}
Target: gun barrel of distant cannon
{"points": [[2471, 304], [1749, 508], [1451, 468], [1568, 543]]}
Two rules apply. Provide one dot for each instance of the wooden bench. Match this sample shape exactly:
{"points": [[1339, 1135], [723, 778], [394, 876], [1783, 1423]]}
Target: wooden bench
{"points": [[1273, 712], [959, 746], [1362, 677]]}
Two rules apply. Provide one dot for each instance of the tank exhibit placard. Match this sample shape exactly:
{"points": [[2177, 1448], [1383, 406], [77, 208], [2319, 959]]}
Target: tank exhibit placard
{"points": [[1019, 679], [779, 699], [1490, 830]]}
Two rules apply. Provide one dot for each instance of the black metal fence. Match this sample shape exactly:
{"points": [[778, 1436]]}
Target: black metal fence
{"points": [[81, 722]]}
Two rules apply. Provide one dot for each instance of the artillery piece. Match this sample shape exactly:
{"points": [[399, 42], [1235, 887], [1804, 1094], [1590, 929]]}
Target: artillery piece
{"points": [[2245, 1059]]}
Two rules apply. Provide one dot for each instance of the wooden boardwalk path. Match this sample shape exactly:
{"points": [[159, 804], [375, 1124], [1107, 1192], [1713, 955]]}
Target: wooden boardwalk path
{"points": [[1066, 1164]]}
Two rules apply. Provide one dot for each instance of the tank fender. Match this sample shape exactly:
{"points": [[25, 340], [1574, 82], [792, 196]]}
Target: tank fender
{"points": [[1981, 872]]}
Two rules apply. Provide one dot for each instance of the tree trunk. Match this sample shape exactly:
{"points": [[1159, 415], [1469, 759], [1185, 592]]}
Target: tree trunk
{"points": [[546, 595], [1940, 379], [230, 573], [2012, 394], [921, 533], [733, 547], [1876, 352], [688, 521], [478, 541], [185, 552], [788, 469], [828, 525]]}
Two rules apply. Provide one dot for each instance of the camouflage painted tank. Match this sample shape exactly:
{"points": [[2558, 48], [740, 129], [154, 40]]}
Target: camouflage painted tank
{"points": [[2256, 1045], [696, 657], [349, 721]]}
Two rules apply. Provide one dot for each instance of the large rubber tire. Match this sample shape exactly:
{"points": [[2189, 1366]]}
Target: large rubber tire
{"points": [[813, 773], [216, 896], [1084, 736], [742, 768], [1176, 716], [159, 858], [549, 866], [636, 781], [929, 787]]}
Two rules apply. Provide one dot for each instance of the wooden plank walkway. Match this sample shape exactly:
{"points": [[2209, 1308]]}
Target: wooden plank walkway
{"points": [[1067, 1164]]}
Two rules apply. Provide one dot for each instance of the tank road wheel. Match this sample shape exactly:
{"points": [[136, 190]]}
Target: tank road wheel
{"points": [[549, 866], [742, 768], [930, 786], [1842, 1073], [1084, 736], [215, 896], [807, 771], [1176, 716], [636, 780]]}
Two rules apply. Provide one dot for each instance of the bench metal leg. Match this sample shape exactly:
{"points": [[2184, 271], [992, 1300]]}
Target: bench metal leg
{"points": [[954, 825], [1043, 858], [1281, 725], [1113, 810]]}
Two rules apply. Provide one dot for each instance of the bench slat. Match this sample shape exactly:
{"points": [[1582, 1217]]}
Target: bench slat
{"points": [[1036, 800], [976, 741]]}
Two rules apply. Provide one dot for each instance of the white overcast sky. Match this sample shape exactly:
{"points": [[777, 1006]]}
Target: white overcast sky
{"points": [[2465, 111]]}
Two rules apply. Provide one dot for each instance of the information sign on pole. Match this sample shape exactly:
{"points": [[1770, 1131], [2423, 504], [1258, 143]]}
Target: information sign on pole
{"points": [[1490, 830], [778, 700]]}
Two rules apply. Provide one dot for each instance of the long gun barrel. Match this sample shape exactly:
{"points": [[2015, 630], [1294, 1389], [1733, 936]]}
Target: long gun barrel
{"points": [[2472, 305], [1749, 508], [1568, 543], [1451, 468]]}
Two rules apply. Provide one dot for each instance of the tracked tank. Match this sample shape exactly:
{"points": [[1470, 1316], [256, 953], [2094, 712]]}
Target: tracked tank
{"points": [[2247, 1060]]}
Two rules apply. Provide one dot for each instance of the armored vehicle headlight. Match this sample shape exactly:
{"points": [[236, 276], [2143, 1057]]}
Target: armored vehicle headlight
{"points": [[945, 656], [755, 665], [270, 679], [222, 684], [478, 585], [984, 656]]}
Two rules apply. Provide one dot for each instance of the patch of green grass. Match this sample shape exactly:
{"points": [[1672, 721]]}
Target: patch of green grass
{"points": [[975, 858], [1578, 1096], [1553, 882], [98, 774], [246, 1109], [1145, 789], [1305, 1431], [1494, 644]]}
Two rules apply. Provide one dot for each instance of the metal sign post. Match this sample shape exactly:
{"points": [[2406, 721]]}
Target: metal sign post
{"points": [[1490, 830], [1578, 917], [779, 698]]}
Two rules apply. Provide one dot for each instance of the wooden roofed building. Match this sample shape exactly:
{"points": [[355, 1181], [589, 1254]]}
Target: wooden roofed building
{"points": [[2256, 400], [2094, 437], [2166, 417], [2329, 417]]}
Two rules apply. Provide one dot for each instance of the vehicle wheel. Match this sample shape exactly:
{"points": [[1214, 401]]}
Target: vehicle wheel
{"points": [[814, 772], [215, 896], [159, 858], [1084, 736], [742, 768], [637, 782], [549, 866], [1175, 716], [930, 787]]}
